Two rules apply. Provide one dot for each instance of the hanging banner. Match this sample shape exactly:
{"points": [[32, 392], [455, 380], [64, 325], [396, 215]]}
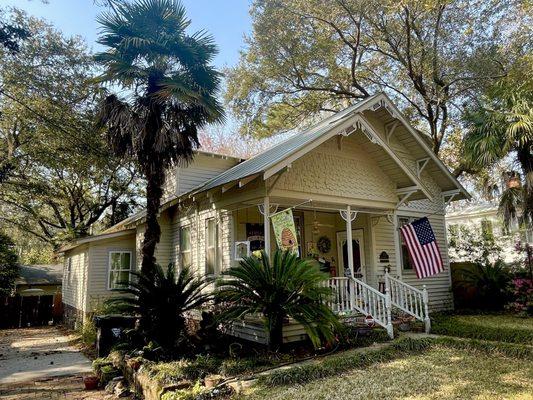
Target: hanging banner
{"points": [[285, 230]]}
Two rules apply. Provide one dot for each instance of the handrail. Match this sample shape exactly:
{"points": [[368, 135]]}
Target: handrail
{"points": [[409, 299], [351, 294]]}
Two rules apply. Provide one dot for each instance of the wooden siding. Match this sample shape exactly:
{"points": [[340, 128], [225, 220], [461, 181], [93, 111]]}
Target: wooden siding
{"points": [[203, 167], [98, 273], [74, 291]]}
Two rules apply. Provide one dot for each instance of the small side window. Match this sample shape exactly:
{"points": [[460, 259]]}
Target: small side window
{"points": [[210, 246], [119, 269], [185, 247]]}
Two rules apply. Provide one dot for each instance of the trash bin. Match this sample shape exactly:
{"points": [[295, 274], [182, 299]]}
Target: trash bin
{"points": [[109, 330]]}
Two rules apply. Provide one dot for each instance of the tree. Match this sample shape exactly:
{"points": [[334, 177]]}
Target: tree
{"points": [[501, 126], [161, 300], [9, 269], [171, 87], [57, 174], [285, 287], [309, 57]]}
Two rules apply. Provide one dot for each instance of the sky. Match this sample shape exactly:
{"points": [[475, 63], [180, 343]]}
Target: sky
{"points": [[226, 20]]}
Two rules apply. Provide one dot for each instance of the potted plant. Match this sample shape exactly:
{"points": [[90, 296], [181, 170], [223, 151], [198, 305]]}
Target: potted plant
{"points": [[90, 382]]}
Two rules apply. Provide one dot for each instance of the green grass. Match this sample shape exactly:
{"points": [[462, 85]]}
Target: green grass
{"points": [[498, 327], [440, 371]]}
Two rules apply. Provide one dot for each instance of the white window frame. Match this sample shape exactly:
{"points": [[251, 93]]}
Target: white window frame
{"points": [[410, 219], [189, 251], [213, 247], [68, 268], [110, 253]]}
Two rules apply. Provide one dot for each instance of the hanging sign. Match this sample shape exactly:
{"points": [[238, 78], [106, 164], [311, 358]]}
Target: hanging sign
{"points": [[285, 230]]}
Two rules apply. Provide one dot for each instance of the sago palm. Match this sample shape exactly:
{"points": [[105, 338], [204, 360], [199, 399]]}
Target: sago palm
{"points": [[161, 299], [284, 286], [169, 87], [503, 126]]}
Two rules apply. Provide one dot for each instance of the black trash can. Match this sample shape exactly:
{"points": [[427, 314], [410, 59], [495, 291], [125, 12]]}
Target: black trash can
{"points": [[109, 331]]}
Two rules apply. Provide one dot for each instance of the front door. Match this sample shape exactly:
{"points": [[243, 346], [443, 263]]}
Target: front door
{"points": [[358, 245]]}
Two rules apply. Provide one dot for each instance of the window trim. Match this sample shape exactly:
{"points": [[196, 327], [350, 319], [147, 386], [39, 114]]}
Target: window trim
{"points": [[213, 247], [189, 251], [410, 219], [109, 254], [68, 275]]}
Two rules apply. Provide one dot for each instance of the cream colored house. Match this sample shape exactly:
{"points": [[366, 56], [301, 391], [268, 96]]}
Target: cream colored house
{"points": [[351, 180]]}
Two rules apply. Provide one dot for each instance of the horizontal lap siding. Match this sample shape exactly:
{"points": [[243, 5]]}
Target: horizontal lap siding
{"points": [[74, 286], [97, 284], [202, 169]]}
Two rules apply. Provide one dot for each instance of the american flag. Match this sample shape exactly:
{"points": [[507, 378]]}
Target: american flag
{"points": [[423, 249]]}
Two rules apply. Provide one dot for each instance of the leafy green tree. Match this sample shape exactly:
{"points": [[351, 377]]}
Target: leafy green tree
{"points": [[58, 176], [501, 126], [285, 287], [307, 57], [161, 299], [9, 269], [171, 93]]}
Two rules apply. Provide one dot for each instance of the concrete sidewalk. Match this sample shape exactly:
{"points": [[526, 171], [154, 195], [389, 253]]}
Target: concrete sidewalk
{"points": [[33, 354]]}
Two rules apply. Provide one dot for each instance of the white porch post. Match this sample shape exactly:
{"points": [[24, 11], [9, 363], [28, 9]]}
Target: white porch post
{"points": [[266, 223], [397, 247], [349, 239]]}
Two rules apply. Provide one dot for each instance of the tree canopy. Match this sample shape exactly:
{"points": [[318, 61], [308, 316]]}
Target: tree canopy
{"points": [[9, 269], [58, 177], [305, 58]]}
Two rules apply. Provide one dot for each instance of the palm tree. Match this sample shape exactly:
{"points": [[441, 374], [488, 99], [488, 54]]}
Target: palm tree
{"points": [[501, 126], [160, 300], [287, 286], [170, 87]]}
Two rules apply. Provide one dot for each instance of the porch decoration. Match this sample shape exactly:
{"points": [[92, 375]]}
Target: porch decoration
{"points": [[422, 247], [323, 244], [285, 230]]}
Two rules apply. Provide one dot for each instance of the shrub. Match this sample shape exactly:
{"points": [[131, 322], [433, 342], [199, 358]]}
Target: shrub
{"points": [[161, 299], [176, 371], [285, 286], [492, 283], [104, 370]]}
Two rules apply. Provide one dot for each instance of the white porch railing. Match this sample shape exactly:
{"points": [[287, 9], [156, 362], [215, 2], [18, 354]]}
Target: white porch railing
{"points": [[350, 295], [409, 299]]}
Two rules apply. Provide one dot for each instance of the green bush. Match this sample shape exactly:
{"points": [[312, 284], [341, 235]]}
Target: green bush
{"points": [[176, 371], [185, 394]]}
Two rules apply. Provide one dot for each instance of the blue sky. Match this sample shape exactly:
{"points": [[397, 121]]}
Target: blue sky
{"points": [[226, 20]]}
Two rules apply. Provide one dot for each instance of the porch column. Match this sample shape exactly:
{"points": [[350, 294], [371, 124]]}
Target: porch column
{"points": [[266, 223], [397, 246], [349, 239]]}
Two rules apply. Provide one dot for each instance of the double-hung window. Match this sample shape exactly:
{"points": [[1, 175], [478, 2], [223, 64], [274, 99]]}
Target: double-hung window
{"points": [[210, 246], [185, 247], [406, 260], [120, 265]]}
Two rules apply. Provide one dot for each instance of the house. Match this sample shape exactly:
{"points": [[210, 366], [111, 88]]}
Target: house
{"points": [[352, 179], [482, 222], [37, 297]]}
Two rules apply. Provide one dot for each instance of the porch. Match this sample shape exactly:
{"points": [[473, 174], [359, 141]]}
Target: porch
{"points": [[369, 282]]}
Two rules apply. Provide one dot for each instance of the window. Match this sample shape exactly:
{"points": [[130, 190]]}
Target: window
{"points": [[406, 260], [119, 269], [68, 273], [185, 247], [210, 246], [486, 230]]}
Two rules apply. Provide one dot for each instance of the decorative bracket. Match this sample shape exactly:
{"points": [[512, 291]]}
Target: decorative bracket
{"points": [[261, 208], [420, 165], [348, 216], [405, 194], [367, 132], [384, 104], [449, 196], [390, 130]]}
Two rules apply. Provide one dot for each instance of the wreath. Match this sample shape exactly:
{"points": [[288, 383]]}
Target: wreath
{"points": [[324, 244]]}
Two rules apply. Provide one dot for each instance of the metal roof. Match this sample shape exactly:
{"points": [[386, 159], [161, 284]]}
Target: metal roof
{"points": [[282, 150]]}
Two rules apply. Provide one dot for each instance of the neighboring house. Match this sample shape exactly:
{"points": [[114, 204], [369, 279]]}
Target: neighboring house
{"points": [[481, 223], [37, 297], [358, 174]]}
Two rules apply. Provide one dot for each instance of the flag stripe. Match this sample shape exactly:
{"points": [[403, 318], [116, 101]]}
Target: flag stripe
{"points": [[422, 247]]}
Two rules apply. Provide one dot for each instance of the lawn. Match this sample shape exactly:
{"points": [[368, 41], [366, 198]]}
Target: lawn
{"points": [[500, 327], [440, 372]]}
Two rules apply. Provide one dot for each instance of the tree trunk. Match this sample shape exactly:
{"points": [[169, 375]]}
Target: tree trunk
{"points": [[155, 177], [526, 162], [275, 333]]}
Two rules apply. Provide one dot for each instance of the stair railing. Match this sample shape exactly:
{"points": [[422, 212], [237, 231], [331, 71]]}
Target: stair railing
{"points": [[350, 294], [409, 299]]}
